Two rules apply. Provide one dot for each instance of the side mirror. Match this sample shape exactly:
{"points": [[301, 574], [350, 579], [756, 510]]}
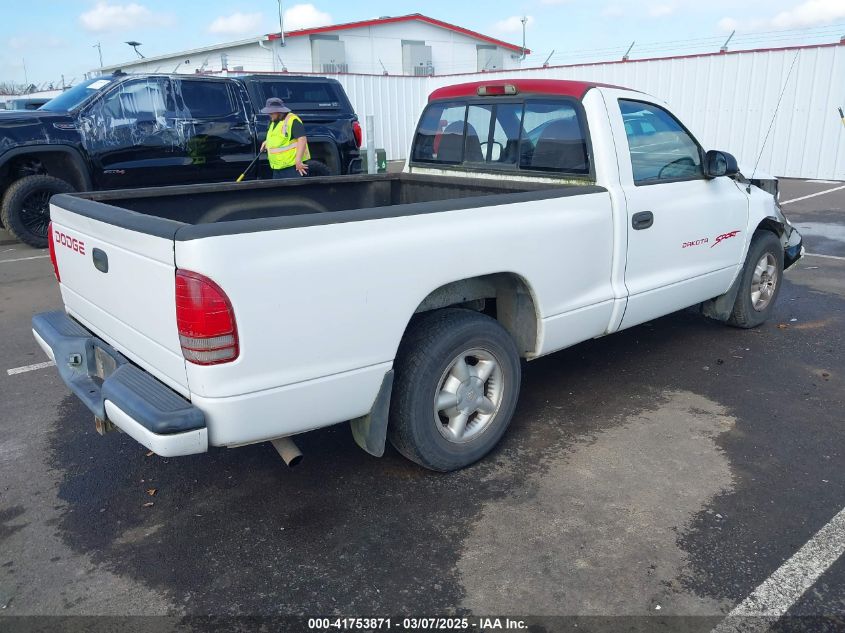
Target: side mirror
{"points": [[718, 163]]}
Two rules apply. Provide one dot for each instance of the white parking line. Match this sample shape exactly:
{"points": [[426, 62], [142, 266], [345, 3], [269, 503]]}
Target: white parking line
{"points": [[841, 259], [813, 195], [780, 591], [23, 370], [23, 259]]}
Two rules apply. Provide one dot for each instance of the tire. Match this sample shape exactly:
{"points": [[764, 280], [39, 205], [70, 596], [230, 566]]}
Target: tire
{"points": [[427, 367], [759, 286], [26, 211], [316, 168]]}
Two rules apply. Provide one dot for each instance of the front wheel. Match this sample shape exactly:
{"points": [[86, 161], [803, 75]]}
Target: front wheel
{"points": [[455, 391], [26, 207], [760, 282]]}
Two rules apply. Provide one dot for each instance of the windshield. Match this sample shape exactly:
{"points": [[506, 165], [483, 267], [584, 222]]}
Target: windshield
{"points": [[69, 99]]}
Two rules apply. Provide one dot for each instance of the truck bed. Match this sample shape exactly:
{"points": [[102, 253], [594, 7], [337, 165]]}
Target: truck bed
{"points": [[195, 211]]}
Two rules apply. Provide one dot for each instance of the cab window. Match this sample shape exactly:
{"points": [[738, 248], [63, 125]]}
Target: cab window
{"points": [[532, 135], [554, 138], [206, 99], [661, 149], [492, 134], [141, 100], [440, 136]]}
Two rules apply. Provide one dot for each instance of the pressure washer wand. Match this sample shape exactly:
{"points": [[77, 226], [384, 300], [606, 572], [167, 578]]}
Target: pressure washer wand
{"points": [[250, 166]]}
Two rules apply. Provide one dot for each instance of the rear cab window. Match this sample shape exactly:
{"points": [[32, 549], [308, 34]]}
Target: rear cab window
{"points": [[542, 134]]}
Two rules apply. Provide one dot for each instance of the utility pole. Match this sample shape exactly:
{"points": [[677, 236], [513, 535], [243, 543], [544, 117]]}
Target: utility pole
{"points": [[99, 50], [25, 78], [524, 21], [281, 24]]}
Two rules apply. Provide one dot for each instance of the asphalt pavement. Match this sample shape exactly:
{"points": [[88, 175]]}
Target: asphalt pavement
{"points": [[667, 471]]}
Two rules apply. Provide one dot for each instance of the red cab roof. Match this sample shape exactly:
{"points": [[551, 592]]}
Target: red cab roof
{"points": [[556, 87]]}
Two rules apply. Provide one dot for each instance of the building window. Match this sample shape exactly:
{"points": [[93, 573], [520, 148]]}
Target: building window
{"points": [[489, 58], [328, 54], [416, 59]]}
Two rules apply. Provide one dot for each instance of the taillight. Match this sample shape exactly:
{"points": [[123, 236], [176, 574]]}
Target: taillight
{"points": [[358, 133], [51, 245], [206, 321]]}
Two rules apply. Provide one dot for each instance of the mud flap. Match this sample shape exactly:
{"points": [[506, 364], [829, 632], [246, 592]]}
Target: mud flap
{"points": [[721, 307], [370, 431]]}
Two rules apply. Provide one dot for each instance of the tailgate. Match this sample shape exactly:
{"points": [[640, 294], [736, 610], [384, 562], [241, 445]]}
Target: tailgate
{"points": [[118, 280]]}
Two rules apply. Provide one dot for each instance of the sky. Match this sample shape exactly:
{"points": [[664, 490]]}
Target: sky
{"points": [[45, 39]]}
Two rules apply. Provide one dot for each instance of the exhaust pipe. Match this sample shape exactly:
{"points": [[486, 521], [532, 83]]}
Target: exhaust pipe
{"points": [[104, 426], [288, 451]]}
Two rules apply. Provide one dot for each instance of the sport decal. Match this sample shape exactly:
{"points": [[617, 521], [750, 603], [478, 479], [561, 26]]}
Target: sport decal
{"points": [[725, 236]]}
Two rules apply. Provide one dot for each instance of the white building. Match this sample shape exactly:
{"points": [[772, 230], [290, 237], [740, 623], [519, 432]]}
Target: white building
{"points": [[413, 45]]}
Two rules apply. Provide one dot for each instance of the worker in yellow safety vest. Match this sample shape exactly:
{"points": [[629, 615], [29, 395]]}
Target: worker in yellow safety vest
{"points": [[286, 145]]}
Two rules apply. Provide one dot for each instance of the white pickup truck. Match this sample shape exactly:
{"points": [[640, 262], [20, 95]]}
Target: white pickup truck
{"points": [[531, 215]]}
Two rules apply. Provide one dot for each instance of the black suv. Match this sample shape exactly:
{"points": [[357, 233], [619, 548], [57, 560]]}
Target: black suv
{"points": [[123, 130]]}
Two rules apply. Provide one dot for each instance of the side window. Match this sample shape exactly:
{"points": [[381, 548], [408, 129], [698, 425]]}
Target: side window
{"points": [[135, 113], [554, 138], [206, 99], [440, 137], [134, 101], [661, 149]]}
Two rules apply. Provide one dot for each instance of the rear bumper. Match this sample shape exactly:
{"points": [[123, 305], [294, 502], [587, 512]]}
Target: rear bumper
{"points": [[113, 389]]}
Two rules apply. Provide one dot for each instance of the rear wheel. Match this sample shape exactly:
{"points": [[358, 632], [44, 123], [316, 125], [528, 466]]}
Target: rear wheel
{"points": [[760, 283], [316, 168], [26, 207], [455, 391]]}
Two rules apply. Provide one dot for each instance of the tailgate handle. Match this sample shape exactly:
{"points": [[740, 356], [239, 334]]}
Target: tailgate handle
{"points": [[101, 260]]}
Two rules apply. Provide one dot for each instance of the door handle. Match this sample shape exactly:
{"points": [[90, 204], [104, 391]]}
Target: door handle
{"points": [[642, 220]]}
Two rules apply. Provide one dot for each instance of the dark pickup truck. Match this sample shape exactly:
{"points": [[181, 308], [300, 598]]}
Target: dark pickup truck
{"points": [[127, 131]]}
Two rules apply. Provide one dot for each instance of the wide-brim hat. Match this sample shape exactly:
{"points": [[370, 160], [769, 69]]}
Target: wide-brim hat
{"points": [[274, 104]]}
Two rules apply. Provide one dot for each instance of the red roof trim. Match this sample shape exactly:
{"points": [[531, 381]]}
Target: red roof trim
{"points": [[402, 18]]}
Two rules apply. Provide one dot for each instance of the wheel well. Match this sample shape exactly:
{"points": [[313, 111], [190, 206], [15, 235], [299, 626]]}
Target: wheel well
{"points": [[326, 153], [504, 296], [57, 163], [770, 224]]}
